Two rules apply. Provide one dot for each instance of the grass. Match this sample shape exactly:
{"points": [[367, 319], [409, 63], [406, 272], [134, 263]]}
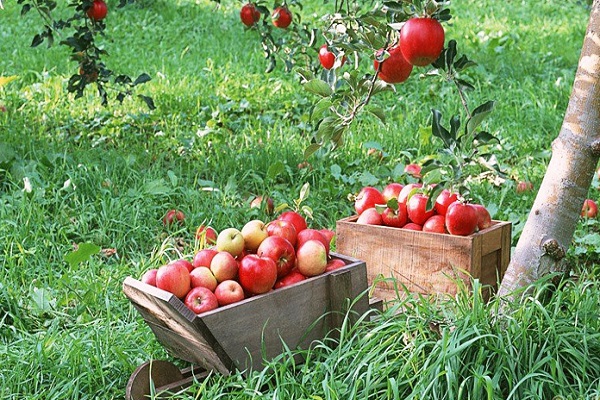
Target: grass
{"points": [[223, 132]]}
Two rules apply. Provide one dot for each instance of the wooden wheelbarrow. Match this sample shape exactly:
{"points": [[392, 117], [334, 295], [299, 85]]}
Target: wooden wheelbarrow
{"points": [[239, 336]]}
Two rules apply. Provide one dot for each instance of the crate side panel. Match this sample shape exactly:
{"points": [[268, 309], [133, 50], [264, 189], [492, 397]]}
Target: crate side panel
{"points": [[160, 309]]}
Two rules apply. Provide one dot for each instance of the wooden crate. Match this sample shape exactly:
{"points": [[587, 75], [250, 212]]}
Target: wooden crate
{"points": [[238, 335], [425, 262]]}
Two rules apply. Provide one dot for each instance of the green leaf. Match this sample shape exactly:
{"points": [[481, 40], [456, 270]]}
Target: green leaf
{"points": [[318, 87], [486, 137], [304, 192], [143, 78], [438, 130], [463, 63], [275, 169], [478, 115], [454, 126], [450, 54], [321, 108], [311, 149], [156, 187], [83, 253], [378, 112]]}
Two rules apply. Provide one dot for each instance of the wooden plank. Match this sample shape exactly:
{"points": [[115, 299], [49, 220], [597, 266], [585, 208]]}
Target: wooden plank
{"points": [[176, 327]]}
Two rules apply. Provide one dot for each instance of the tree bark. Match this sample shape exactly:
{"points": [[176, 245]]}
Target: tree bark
{"points": [[551, 223]]}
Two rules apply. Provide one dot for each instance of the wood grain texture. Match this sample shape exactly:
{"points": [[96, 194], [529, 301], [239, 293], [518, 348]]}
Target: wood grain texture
{"points": [[424, 262], [240, 335]]}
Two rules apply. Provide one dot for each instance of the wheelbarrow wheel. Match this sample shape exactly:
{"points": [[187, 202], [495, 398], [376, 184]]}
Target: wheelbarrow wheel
{"points": [[150, 376]]}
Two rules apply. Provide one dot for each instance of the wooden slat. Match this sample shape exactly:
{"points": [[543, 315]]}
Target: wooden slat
{"points": [[176, 327]]}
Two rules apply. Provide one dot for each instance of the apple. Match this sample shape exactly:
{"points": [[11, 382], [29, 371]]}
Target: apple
{"points": [[407, 191], [203, 276], [589, 209], [417, 209], [282, 228], [254, 232], [444, 199], [411, 226], [224, 266], [174, 278], [257, 274], [370, 217], [312, 234], [311, 258], [395, 218], [524, 186], [229, 292], [329, 235], [392, 191], [295, 218], [368, 197], [413, 170], [293, 277], [334, 263], [484, 219], [435, 224], [201, 299], [259, 202], [183, 262], [149, 277], [231, 240], [173, 216], [208, 233], [279, 250], [203, 258]]}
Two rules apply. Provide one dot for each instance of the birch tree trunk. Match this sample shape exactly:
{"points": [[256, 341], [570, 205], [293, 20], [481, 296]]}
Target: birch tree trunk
{"points": [[551, 224]]}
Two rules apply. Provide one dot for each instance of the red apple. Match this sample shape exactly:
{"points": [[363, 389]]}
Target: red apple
{"points": [[417, 209], [407, 191], [589, 209], [312, 234], [368, 197], [411, 226], [311, 258], [413, 170], [282, 228], [173, 216], [149, 277], [329, 235], [524, 186], [203, 276], [231, 240], [183, 262], [392, 191], [203, 258], [201, 299], [293, 277], [208, 233], [174, 278], [395, 218], [444, 199], [461, 219], [484, 219], [295, 218], [254, 232], [258, 202], [257, 274], [370, 217], [435, 224], [229, 292], [224, 266], [334, 263], [279, 250]]}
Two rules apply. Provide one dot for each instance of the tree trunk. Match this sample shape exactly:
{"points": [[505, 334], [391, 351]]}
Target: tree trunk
{"points": [[549, 229]]}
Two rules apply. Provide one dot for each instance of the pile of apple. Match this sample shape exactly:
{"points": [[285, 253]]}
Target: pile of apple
{"points": [[241, 263], [405, 206]]}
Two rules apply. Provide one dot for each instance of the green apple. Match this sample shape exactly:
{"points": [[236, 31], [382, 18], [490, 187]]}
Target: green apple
{"points": [[231, 240]]}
